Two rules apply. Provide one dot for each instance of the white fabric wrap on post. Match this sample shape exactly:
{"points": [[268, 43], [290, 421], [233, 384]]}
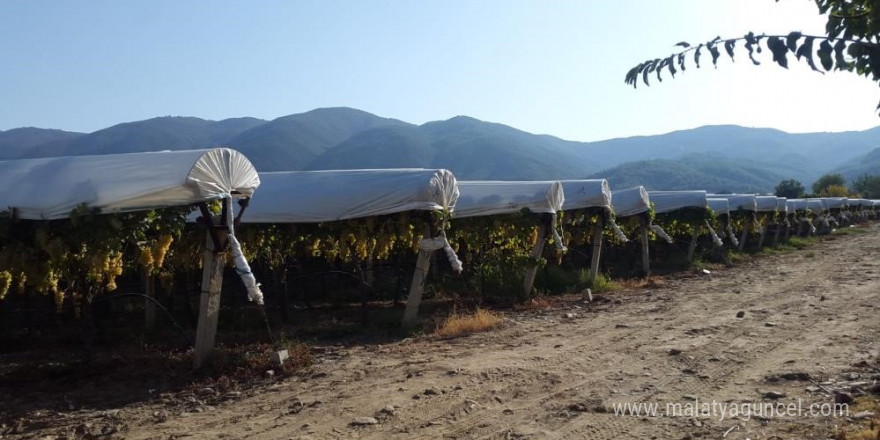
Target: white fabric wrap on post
{"points": [[715, 238], [807, 221], [617, 232], [242, 268], [557, 240], [661, 233], [440, 242], [732, 235]]}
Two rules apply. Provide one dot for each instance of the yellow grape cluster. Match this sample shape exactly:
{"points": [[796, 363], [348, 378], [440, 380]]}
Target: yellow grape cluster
{"points": [[5, 283], [377, 238]]}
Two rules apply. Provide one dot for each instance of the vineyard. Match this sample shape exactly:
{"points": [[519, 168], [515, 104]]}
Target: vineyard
{"points": [[150, 237]]}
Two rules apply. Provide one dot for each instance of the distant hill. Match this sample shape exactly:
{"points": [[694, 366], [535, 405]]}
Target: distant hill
{"points": [[698, 172], [801, 156], [164, 133], [292, 142], [16, 142], [723, 157], [866, 164]]}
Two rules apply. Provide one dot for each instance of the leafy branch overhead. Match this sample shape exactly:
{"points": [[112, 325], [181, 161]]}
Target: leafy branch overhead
{"points": [[858, 56], [851, 43]]}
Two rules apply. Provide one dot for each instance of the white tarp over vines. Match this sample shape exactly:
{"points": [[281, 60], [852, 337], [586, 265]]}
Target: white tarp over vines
{"points": [[766, 203], [781, 204], [323, 196], [719, 206], [836, 202], [666, 201], [594, 193], [481, 198], [630, 201], [739, 202], [51, 188]]}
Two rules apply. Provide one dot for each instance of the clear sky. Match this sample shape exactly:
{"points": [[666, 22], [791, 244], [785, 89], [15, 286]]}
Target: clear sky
{"points": [[554, 67]]}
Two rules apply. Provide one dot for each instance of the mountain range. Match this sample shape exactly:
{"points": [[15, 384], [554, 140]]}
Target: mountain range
{"points": [[716, 158]]}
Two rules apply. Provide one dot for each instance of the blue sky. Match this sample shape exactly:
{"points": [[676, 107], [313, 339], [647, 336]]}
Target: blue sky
{"points": [[553, 67]]}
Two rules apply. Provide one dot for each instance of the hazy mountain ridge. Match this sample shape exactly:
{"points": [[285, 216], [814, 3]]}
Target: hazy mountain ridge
{"points": [[868, 163], [723, 157]]}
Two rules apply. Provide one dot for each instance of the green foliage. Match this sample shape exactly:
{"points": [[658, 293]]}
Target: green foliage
{"points": [[821, 185], [851, 44], [497, 251], [867, 186], [681, 222], [790, 188]]}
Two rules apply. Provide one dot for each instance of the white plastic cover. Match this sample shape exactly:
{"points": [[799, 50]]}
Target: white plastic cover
{"points": [[781, 205], [666, 201], [50, 188], [860, 202], [630, 201], [480, 198], [836, 202], [719, 206], [796, 204], [580, 194], [737, 202], [766, 203], [323, 196], [815, 205]]}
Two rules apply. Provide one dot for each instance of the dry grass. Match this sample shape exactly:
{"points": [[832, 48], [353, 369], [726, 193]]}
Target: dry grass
{"points": [[641, 283], [457, 324], [864, 431]]}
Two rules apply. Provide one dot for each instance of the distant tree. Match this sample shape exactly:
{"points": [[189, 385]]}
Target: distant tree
{"points": [[827, 180], [790, 188], [867, 186], [835, 191], [851, 43]]}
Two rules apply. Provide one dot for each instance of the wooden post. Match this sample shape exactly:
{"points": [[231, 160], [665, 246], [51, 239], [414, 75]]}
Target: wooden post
{"points": [[646, 258], [537, 251], [597, 249], [776, 232], [763, 234], [417, 286], [149, 306], [744, 236], [787, 232], [213, 263], [693, 245]]}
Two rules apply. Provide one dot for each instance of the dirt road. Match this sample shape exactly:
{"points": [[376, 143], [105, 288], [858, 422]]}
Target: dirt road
{"points": [[808, 326]]}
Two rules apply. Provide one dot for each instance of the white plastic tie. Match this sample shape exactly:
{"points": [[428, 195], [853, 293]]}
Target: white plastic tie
{"points": [[440, 242], [715, 238], [661, 233], [557, 240], [732, 235], [242, 268], [617, 232]]}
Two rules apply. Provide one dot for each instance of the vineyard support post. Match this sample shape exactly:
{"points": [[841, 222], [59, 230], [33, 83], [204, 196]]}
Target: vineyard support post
{"points": [[787, 233], [417, 287], [537, 251], [213, 263], [745, 235], [694, 240], [149, 306], [597, 248], [763, 234], [776, 232], [646, 258], [800, 227]]}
